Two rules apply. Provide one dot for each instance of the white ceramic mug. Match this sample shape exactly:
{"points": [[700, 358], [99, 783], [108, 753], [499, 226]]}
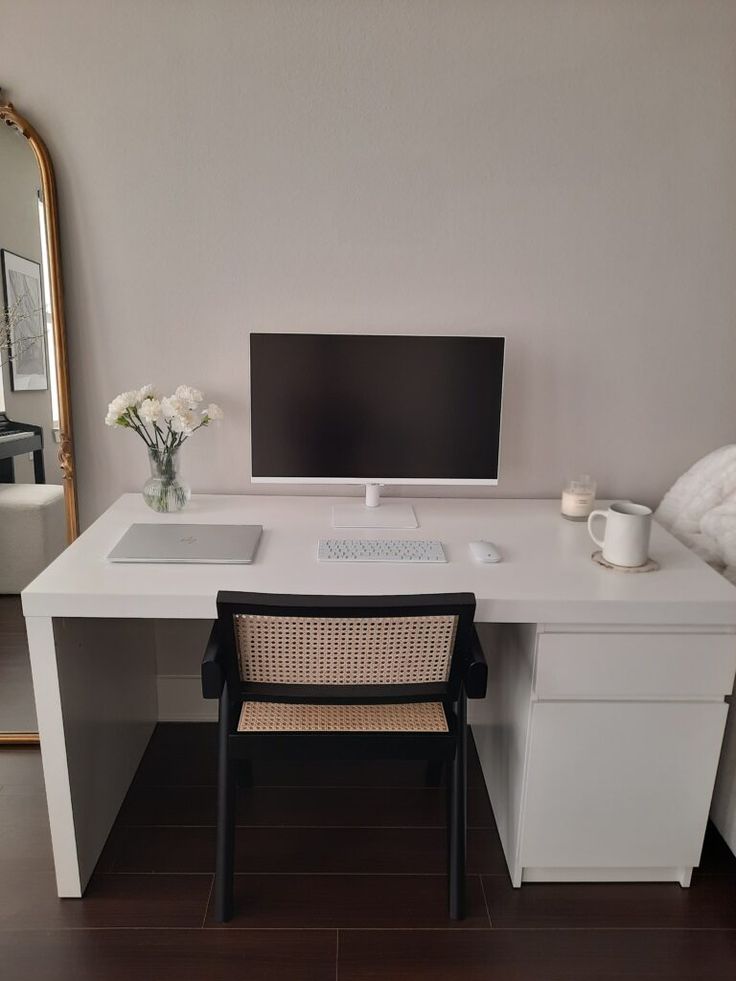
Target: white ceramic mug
{"points": [[626, 537]]}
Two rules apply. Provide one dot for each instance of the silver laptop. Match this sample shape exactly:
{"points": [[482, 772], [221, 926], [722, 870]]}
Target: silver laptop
{"points": [[217, 544]]}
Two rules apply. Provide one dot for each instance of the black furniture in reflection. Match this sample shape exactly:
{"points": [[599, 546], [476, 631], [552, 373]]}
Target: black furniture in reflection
{"points": [[343, 678], [17, 438]]}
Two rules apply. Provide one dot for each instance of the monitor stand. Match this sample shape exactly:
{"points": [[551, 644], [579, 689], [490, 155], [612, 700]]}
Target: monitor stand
{"points": [[373, 514]]}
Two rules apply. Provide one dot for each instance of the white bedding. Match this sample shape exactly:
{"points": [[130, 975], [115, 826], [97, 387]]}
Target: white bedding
{"points": [[700, 509]]}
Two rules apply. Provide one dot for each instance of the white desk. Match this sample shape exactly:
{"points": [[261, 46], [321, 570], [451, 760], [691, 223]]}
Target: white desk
{"points": [[600, 735]]}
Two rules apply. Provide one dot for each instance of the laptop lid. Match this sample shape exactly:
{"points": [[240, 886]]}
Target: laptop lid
{"points": [[175, 543]]}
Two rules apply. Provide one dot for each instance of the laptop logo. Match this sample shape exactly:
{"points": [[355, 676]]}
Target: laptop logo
{"points": [[188, 540]]}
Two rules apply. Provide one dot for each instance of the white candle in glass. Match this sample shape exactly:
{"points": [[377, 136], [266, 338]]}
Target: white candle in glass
{"points": [[578, 497]]}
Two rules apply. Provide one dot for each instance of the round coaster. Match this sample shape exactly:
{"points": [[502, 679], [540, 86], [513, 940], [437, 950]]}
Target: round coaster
{"points": [[651, 565]]}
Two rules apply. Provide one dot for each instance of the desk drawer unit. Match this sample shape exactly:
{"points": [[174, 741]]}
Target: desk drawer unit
{"points": [[624, 735]]}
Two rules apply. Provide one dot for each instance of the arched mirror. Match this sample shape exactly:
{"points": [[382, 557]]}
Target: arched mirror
{"points": [[38, 507]]}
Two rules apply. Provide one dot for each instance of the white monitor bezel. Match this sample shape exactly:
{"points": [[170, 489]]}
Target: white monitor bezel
{"points": [[382, 481]]}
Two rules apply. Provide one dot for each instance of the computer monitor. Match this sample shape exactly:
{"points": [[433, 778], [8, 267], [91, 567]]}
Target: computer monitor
{"points": [[376, 409]]}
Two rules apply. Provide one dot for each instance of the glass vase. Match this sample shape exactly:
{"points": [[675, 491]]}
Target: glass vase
{"points": [[164, 491]]}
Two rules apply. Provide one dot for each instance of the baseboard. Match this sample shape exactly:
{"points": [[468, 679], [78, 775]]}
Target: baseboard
{"points": [[635, 874], [180, 699]]}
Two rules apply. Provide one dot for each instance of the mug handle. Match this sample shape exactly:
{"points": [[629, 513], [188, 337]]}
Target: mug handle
{"points": [[596, 514]]}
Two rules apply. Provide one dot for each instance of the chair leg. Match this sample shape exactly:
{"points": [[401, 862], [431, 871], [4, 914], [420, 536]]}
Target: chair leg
{"points": [[225, 819], [458, 815]]}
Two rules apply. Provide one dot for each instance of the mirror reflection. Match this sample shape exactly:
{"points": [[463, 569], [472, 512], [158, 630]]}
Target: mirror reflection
{"points": [[32, 515]]}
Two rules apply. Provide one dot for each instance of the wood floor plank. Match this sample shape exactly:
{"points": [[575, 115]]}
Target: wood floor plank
{"points": [[168, 955], [402, 807], [17, 705], [25, 838], [382, 887], [710, 902], [538, 955], [29, 900], [21, 766], [370, 901], [303, 850]]}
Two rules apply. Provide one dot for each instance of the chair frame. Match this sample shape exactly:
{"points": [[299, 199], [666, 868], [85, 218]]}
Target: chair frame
{"points": [[221, 679]]}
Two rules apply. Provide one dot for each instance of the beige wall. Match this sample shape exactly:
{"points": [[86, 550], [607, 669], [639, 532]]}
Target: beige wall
{"points": [[19, 233], [561, 171]]}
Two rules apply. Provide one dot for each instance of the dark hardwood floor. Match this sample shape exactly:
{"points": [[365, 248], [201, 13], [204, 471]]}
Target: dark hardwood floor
{"points": [[340, 878], [17, 709]]}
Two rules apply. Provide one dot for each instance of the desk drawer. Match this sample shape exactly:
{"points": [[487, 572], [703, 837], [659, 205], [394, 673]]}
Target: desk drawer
{"points": [[626, 665]]}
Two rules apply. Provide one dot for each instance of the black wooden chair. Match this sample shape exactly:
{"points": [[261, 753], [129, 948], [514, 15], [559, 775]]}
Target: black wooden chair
{"points": [[342, 677]]}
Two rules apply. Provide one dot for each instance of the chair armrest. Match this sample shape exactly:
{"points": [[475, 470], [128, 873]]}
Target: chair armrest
{"points": [[476, 673], [213, 671]]}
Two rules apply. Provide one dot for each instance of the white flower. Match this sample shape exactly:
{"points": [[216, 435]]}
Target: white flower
{"points": [[175, 416], [183, 422], [146, 392], [150, 410], [190, 397], [111, 419], [128, 399], [170, 406], [119, 406], [213, 413]]}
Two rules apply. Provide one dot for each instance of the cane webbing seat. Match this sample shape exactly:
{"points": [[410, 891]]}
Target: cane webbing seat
{"points": [[288, 717]]}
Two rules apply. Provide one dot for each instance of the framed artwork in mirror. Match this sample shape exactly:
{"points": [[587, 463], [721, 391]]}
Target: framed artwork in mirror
{"points": [[25, 309]]}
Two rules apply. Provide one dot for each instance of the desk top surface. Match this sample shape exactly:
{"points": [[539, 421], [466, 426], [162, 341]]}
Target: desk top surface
{"points": [[547, 575]]}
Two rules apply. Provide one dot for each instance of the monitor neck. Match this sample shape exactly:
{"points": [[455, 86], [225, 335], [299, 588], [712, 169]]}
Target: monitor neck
{"points": [[372, 495]]}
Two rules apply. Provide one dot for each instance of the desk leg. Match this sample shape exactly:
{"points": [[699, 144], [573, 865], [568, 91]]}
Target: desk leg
{"points": [[94, 683], [53, 752]]}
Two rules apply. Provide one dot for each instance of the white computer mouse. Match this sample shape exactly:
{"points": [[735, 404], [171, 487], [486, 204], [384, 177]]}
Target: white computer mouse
{"points": [[484, 552]]}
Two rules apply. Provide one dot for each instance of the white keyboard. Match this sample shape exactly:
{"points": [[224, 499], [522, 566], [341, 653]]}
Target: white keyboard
{"points": [[379, 550]]}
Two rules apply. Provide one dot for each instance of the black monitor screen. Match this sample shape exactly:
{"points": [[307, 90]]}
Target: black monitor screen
{"points": [[366, 407]]}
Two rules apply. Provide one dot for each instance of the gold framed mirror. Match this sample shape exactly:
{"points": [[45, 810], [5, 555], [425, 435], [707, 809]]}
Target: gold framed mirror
{"points": [[38, 496]]}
